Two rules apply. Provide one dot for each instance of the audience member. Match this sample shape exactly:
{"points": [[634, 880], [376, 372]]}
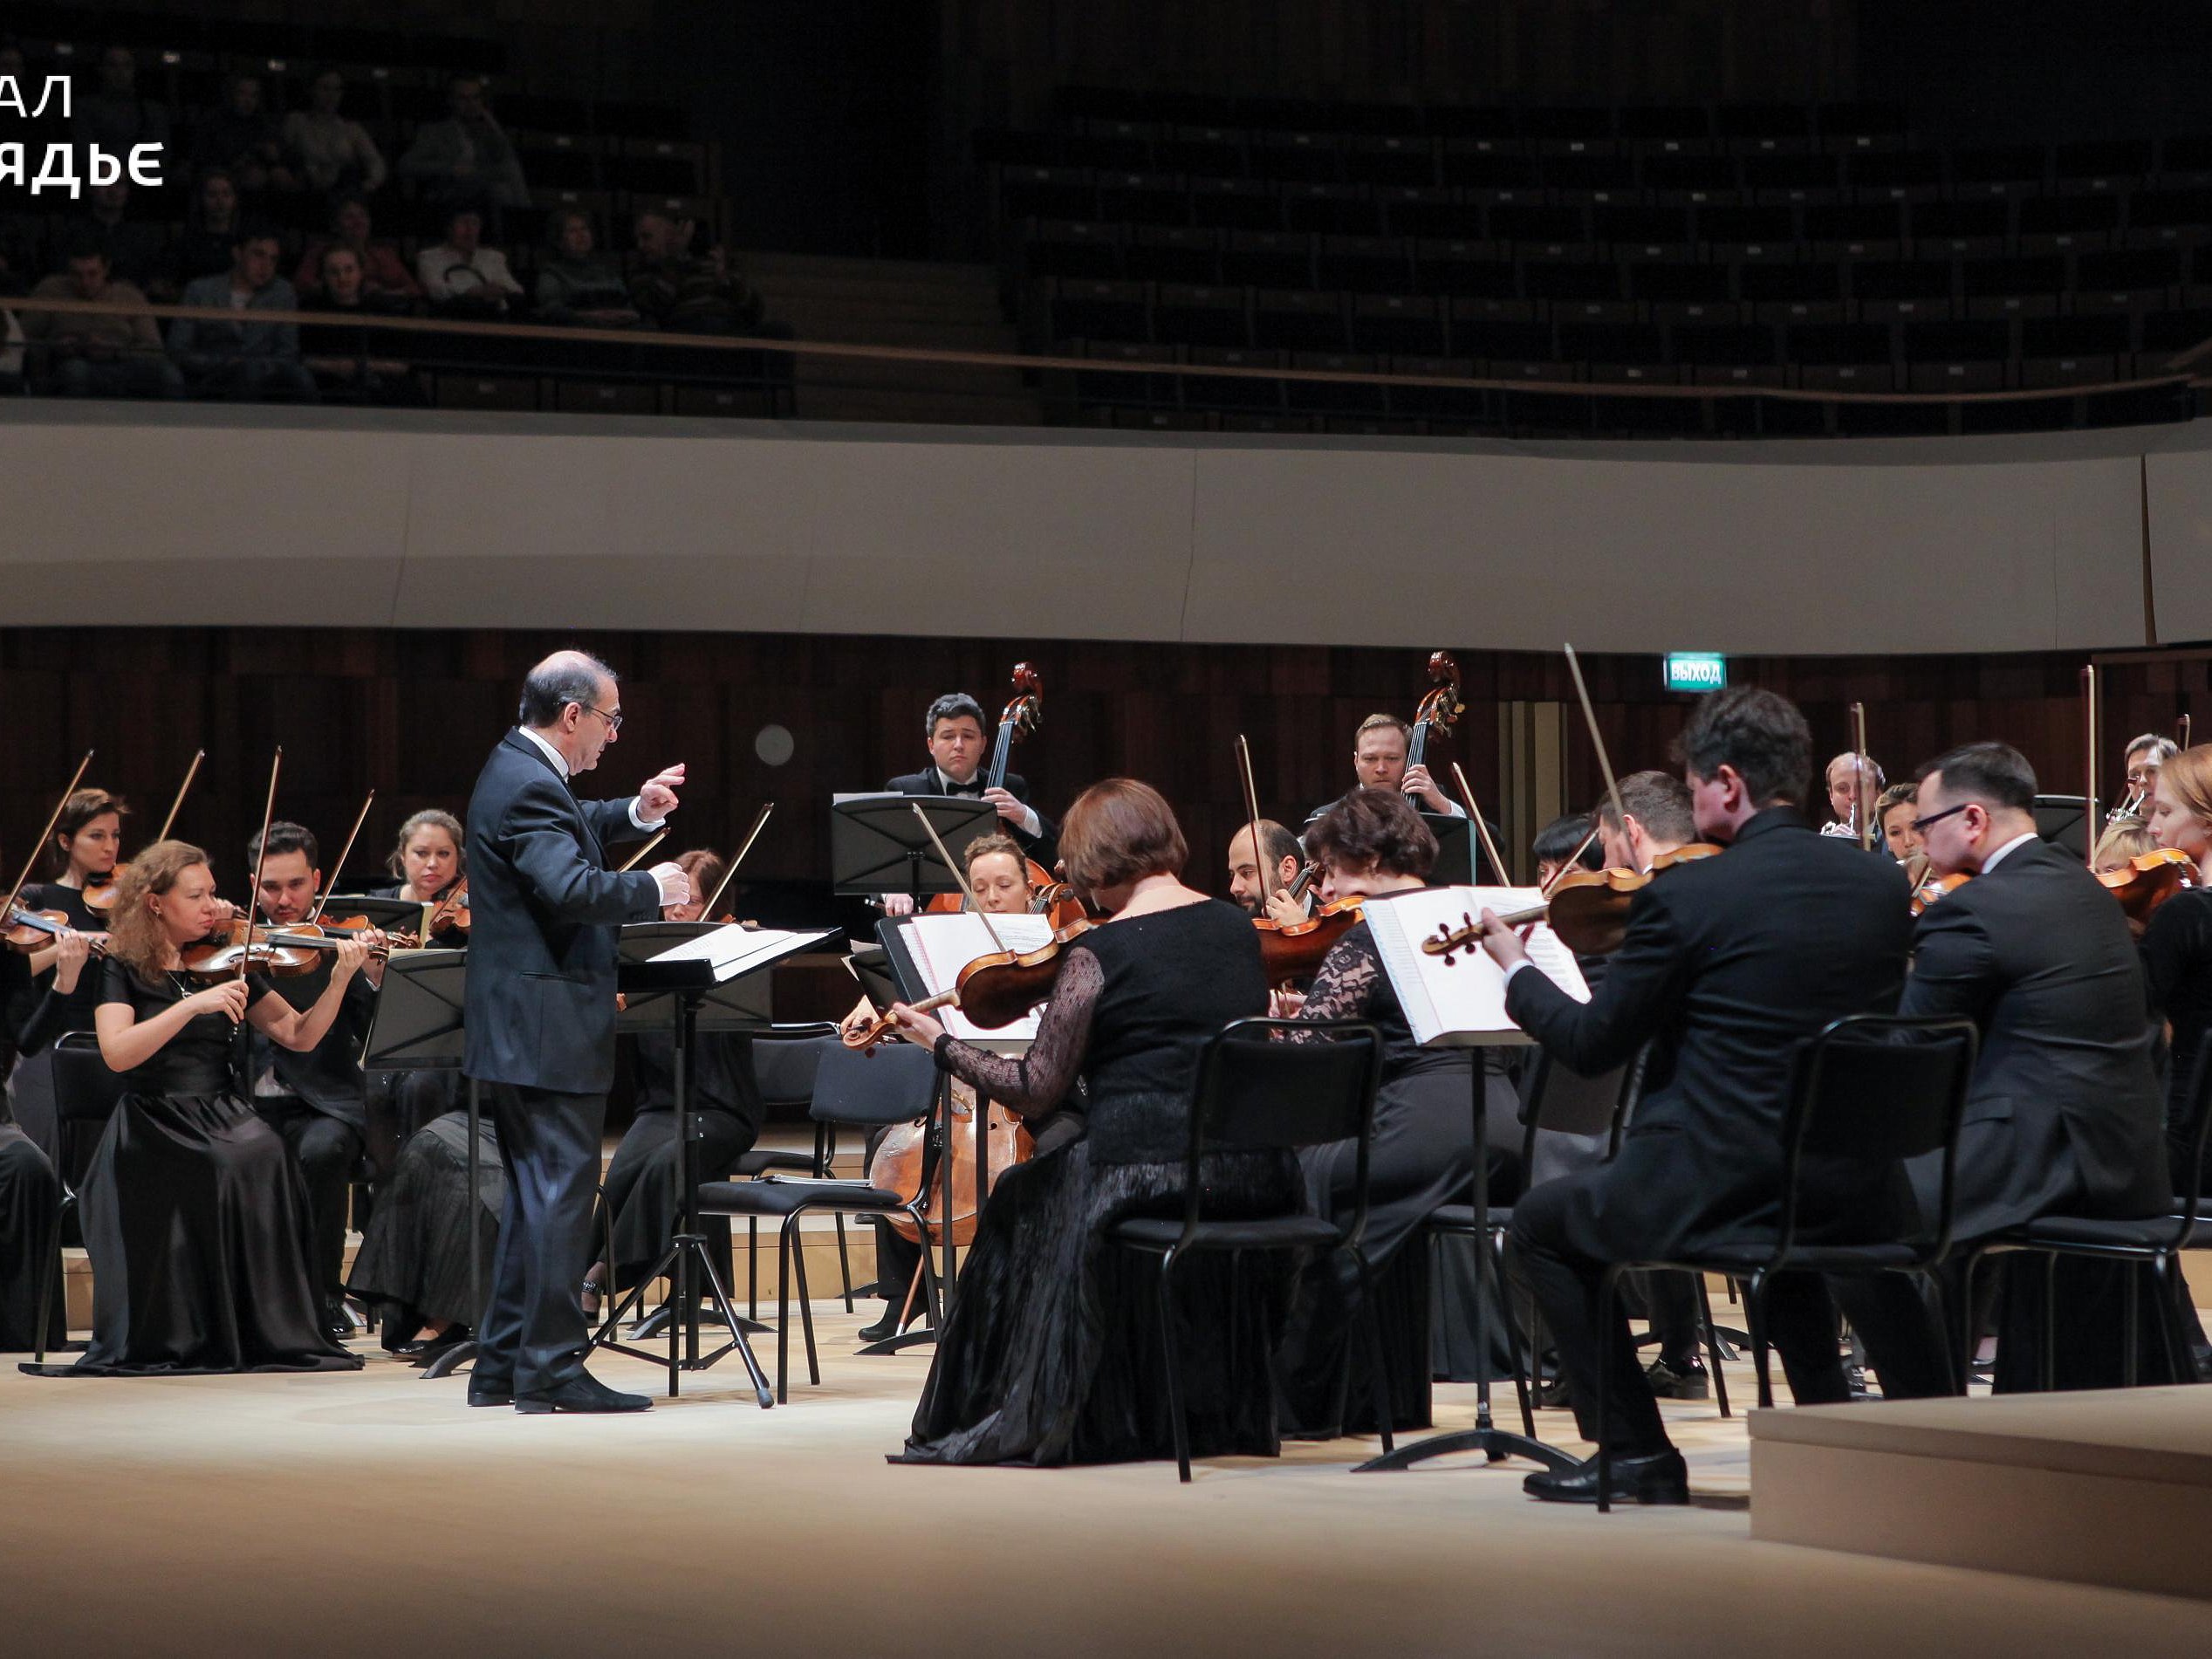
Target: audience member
{"points": [[357, 364], [113, 115], [384, 273], [460, 273], [243, 139], [466, 157], [684, 292], [241, 359], [579, 285], [137, 251], [203, 247], [330, 152], [78, 354]]}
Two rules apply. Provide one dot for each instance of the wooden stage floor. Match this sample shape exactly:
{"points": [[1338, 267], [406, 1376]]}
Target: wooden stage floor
{"points": [[374, 1513]]}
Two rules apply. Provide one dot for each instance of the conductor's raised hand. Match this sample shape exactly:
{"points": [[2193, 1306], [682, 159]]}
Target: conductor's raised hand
{"points": [[658, 798], [675, 885]]}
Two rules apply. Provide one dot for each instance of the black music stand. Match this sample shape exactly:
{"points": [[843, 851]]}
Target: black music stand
{"points": [[727, 987], [2063, 820], [1454, 866], [417, 1027], [877, 845]]}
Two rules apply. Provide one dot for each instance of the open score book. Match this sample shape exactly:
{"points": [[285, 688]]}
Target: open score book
{"points": [[1463, 1004], [942, 945]]}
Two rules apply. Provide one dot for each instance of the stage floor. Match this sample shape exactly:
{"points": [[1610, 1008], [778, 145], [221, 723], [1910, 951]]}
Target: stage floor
{"points": [[374, 1513]]}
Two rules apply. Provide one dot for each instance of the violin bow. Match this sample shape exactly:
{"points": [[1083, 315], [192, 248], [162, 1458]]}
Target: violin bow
{"points": [[2089, 757], [260, 857], [1861, 812], [46, 834], [707, 913], [1573, 859], [182, 790], [1597, 740], [337, 869], [1483, 830], [1252, 819], [631, 862], [960, 876]]}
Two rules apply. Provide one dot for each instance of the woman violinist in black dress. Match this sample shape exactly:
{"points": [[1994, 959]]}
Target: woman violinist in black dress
{"points": [[2177, 942], [195, 1218], [28, 1192], [1049, 1355], [64, 988]]}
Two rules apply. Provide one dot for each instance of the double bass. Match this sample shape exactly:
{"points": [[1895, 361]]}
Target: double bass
{"points": [[1022, 715], [1440, 708]]}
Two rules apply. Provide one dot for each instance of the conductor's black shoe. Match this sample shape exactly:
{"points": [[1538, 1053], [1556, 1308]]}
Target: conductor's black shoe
{"points": [[1657, 1478], [490, 1391], [1686, 1382], [581, 1393]]}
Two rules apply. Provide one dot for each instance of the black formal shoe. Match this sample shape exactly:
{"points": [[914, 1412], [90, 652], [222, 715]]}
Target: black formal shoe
{"points": [[1554, 1396], [491, 1391], [1678, 1381], [582, 1392], [888, 1325], [427, 1351], [1657, 1478], [338, 1327]]}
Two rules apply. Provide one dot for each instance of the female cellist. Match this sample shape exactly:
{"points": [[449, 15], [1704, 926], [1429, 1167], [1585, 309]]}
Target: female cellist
{"points": [[1035, 1365], [1368, 846], [195, 1214]]}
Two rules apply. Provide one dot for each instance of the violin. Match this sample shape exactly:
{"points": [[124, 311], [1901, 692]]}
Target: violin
{"points": [[1588, 909], [1440, 708], [2149, 879], [1296, 951], [450, 914], [243, 947], [993, 990], [30, 931]]}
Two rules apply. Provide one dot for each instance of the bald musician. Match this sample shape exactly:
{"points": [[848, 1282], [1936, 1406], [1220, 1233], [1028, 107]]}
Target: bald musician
{"points": [[1264, 888]]}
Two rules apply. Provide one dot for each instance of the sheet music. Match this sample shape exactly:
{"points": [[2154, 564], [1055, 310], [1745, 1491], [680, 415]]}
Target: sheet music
{"points": [[1465, 1000], [942, 945], [736, 950]]}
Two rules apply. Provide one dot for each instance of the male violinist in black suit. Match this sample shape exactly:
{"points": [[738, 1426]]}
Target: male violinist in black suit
{"points": [[2064, 1115], [958, 747], [545, 912], [1727, 964]]}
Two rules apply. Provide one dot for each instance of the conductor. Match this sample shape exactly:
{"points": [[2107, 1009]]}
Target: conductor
{"points": [[540, 1016]]}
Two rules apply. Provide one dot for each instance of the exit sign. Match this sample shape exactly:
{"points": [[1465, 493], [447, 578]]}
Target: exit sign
{"points": [[1695, 671]]}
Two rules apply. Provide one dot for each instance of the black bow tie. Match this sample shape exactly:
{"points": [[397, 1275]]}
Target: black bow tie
{"points": [[952, 788]]}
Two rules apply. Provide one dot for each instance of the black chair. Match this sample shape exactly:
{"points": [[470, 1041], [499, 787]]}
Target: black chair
{"points": [[784, 1059], [86, 1093], [1255, 1095], [895, 1083], [1873, 1090], [2154, 1241]]}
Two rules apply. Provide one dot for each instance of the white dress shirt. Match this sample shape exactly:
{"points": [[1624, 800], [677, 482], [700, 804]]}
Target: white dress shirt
{"points": [[1031, 824], [2021, 840]]}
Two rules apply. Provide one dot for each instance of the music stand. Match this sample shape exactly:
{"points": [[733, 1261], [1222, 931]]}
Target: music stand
{"points": [[695, 969], [1454, 866], [417, 1026], [877, 845], [2063, 820]]}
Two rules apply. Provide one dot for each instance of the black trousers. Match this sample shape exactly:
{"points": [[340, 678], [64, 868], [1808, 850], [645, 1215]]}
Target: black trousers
{"points": [[1903, 1338], [326, 1149], [533, 1330]]}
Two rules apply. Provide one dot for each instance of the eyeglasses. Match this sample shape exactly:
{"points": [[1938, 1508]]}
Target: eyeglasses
{"points": [[1919, 824], [613, 721]]}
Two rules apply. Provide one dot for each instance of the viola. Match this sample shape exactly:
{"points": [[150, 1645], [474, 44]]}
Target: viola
{"points": [[1933, 887], [253, 947], [30, 931], [1296, 950], [2149, 879], [993, 990], [1588, 909]]}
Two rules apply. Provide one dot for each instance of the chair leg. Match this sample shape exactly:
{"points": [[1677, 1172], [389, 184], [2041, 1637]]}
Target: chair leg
{"points": [[1754, 1313], [2048, 1378], [1954, 1374], [1169, 1359], [843, 1262], [783, 1325], [1966, 1336], [797, 1251], [1378, 1384], [2169, 1285], [2131, 1325], [51, 1289], [1712, 1343], [752, 1267], [1607, 1293]]}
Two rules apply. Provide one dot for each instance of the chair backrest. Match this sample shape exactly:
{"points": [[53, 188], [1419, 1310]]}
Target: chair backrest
{"points": [[1879, 1089], [86, 1091], [890, 1083], [1254, 1093], [1564, 1100], [785, 1066]]}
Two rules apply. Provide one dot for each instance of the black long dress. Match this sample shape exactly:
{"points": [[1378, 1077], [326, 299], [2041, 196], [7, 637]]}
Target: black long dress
{"points": [[1423, 1156], [2177, 969], [642, 1187], [44, 1016], [413, 1264], [195, 1218], [1050, 1353], [28, 1192]]}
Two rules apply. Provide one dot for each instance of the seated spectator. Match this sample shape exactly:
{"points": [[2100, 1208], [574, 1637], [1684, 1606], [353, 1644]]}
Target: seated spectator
{"points": [[75, 354], [137, 252], [686, 293], [203, 247], [223, 358], [577, 285], [384, 272], [329, 152], [461, 274], [12, 349], [467, 157], [243, 139], [112, 115], [22, 235], [355, 364]]}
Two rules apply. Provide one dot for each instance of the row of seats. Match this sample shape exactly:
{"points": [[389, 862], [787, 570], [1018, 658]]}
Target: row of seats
{"points": [[1780, 218], [44, 27], [1669, 167]]}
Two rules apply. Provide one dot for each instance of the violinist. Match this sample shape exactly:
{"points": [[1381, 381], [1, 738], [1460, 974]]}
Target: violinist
{"points": [[30, 1194], [1033, 1367], [1724, 996], [2062, 1112], [194, 1217], [1267, 894], [1893, 815], [959, 744], [1368, 846], [640, 1193], [2123, 840], [1565, 840], [316, 1099], [426, 858], [2177, 942], [1845, 803]]}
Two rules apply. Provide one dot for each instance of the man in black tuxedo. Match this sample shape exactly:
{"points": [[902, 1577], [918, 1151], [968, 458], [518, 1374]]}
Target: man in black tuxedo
{"points": [[1728, 963], [954, 729], [317, 1099], [2063, 1116], [545, 912]]}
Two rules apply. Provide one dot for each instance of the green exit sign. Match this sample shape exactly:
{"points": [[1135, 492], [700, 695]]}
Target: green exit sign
{"points": [[1695, 671]]}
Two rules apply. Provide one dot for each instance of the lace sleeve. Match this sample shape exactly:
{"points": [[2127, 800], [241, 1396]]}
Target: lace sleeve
{"points": [[1038, 1081], [1346, 985]]}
